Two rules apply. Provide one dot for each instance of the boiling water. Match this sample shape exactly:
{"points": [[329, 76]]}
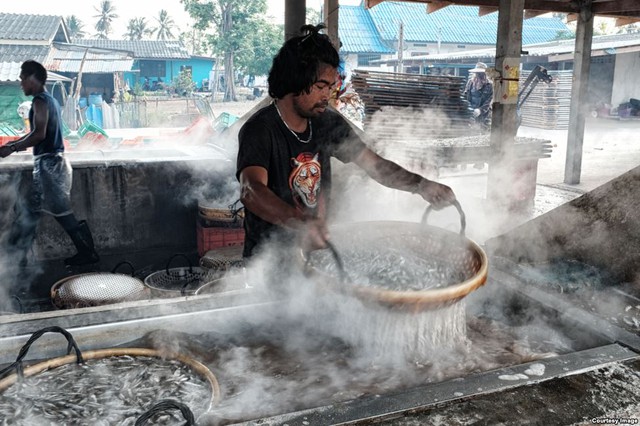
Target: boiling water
{"points": [[400, 263], [391, 264], [395, 334]]}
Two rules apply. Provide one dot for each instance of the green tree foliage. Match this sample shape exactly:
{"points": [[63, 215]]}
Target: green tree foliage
{"points": [[261, 45], [137, 29], [313, 16], [195, 41], [183, 84], [234, 24], [106, 16], [74, 25], [165, 27], [565, 35]]}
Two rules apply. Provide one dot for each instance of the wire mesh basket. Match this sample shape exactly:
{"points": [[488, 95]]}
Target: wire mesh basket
{"points": [[231, 217], [98, 288], [223, 258], [178, 281]]}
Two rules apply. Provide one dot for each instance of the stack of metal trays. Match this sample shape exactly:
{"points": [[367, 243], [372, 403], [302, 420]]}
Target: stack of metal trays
{"points": [[548, 105], [423, 105], [425, 156]]}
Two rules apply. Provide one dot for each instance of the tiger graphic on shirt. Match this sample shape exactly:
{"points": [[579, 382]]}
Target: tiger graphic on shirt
{"points": [[304, 180]]}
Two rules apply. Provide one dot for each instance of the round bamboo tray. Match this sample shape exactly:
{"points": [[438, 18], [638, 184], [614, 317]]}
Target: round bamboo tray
{"points": [[195, 365]]}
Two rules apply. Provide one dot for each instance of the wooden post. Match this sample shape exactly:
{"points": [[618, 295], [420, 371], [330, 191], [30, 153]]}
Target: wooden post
{"points": [[331, 15], [294, 17], [500, 189], [579, 94]]}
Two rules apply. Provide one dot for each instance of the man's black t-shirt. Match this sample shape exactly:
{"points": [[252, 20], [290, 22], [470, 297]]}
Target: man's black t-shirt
{"points": [[299, 173]]}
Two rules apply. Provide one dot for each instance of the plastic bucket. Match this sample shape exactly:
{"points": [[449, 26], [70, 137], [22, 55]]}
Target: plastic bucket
{"points": [[95, 99]]}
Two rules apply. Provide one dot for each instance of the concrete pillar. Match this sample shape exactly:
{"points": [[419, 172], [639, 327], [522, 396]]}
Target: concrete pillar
{"points": [[294, 17], [502, 186], [579, 94]]}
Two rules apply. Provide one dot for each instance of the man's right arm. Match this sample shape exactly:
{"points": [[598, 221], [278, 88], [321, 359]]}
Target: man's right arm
{"points": [[261, 201], [264, 203], [38, 128]]}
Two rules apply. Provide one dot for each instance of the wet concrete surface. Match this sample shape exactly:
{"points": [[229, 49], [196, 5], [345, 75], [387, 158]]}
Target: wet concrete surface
{"points": [[597, 397]]}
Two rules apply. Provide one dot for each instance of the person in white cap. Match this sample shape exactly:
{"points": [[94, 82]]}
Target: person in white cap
{"points": [[479, 93]]}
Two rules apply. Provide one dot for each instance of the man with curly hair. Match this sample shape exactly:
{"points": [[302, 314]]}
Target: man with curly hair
{"points": [[283, 162]]}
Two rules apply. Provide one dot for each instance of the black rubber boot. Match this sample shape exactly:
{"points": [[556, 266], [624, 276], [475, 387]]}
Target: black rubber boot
{"points": [[82, 239]]}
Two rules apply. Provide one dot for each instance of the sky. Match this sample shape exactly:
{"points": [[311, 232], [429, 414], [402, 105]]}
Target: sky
{"points": [[127, 9]]}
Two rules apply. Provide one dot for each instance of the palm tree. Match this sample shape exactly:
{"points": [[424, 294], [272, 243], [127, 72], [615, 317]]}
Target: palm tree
{"points": [[74, 25], [107, 13], [165, 25], [137, 29]]}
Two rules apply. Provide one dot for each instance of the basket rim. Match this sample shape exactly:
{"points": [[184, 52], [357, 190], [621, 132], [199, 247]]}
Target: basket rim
{"points": [[196, 365], [219, 213], [415, 299], [149, 279]]}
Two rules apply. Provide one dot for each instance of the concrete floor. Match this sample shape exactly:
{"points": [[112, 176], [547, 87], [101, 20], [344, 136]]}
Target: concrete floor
{"points": [[610, 149]]}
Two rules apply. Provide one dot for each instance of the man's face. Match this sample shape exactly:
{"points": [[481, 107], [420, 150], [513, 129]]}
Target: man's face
{"points": [[28, 84], [315, 102]]}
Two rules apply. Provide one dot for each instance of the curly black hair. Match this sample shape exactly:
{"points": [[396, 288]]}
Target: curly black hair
{"points": [[295, 67], [35, 69]]}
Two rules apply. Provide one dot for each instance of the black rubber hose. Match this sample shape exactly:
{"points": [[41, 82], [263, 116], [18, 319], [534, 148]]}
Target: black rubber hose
{"points": [[165, 405]]}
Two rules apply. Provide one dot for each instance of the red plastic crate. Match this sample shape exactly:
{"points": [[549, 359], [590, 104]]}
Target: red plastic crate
{"points": [[6, 139], [211, 238]]}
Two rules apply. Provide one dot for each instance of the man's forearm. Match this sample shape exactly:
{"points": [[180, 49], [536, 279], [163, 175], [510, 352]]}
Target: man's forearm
{"points": [[24, 142], [262, 202], [388, 173], [392, 175]]}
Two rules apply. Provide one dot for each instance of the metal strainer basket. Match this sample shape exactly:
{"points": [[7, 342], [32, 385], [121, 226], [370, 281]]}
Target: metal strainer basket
{"points": [[223, 258], [98, 288], [178, 281], [400, 264]]}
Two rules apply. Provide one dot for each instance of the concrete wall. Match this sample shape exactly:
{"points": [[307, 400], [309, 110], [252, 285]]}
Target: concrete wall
{"points": [[130, 206], [625, 80]]}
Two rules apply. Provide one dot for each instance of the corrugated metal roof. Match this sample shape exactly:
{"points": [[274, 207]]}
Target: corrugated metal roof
{"points": [[357, 32], [18, 27], [142, 49], [67, 58], [453, 24], [95, 66], [21, 53], [10, 71], [599, 43]]}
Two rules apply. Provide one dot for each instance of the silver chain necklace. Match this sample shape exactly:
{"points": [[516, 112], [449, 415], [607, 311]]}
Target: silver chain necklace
{"points": [[289, 128]]}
